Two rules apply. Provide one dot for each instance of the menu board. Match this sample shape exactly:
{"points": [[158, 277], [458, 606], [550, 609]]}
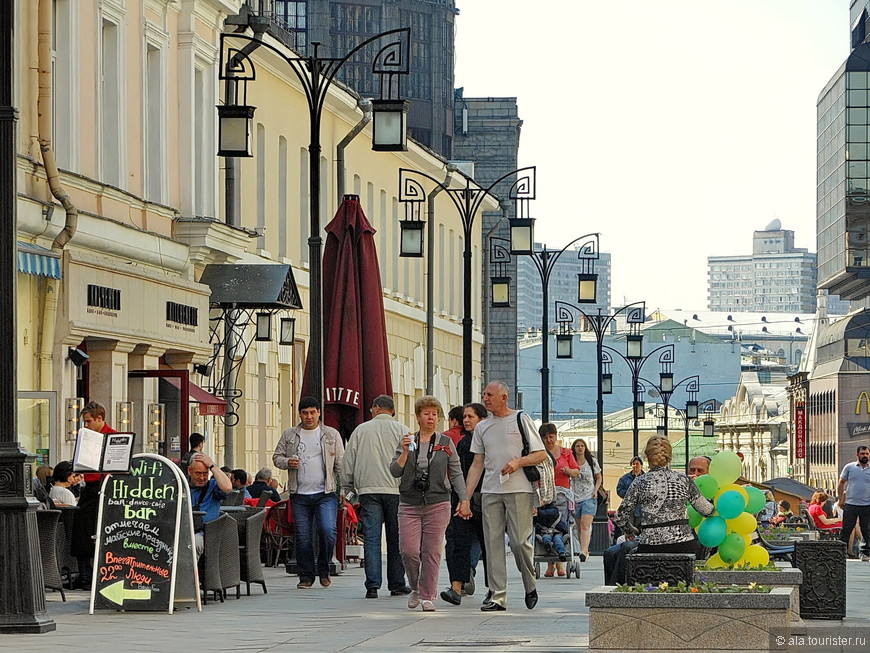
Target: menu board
{"points": [[102, 452], [144, 537]]}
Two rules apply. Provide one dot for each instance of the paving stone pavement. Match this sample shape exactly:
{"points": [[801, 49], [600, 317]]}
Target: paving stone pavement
{"points": [[339, 619]]}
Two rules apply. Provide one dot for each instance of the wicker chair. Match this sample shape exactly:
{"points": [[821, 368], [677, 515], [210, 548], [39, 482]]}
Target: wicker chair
{"points": [[46, 523], [209, 562], [251, 568], [234, 498], [280, 532], [230, 568]]}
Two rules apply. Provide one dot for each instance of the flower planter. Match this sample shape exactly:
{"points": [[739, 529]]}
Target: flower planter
{"points": [[689, 622], [789, 577]]}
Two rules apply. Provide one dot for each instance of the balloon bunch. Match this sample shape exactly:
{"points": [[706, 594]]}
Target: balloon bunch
{"points": [[730, 527]]}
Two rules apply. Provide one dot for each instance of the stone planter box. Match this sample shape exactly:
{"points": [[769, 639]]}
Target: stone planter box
{"points": [[789, 577], [689, 622]]}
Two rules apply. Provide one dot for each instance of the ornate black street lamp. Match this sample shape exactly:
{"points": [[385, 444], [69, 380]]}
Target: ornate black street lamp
{"points": [[635, 315], [544, 261], [666, 388], [316, 74], [467, 202], [635, 365]]}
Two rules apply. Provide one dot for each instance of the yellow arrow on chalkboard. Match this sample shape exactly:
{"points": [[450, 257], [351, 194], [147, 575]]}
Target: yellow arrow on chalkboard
{"points": [[116, 593]]}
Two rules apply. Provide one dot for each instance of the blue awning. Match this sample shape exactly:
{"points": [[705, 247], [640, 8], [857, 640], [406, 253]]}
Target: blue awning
{"points": [[41, 261]]}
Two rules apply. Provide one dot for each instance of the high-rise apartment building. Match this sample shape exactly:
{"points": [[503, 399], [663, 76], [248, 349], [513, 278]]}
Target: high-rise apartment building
{"points": [[776, 278], [563, 287], [340, 26]]}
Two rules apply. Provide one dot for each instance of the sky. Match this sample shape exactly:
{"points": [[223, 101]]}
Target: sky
{"points": [[674, 128]]}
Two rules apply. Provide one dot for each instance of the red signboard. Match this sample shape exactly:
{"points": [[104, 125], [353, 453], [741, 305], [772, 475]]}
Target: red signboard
{"points": [[800, 432]]}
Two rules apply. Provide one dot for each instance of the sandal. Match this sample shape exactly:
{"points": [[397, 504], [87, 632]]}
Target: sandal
{"points": [[548, 574], [561, 572]]}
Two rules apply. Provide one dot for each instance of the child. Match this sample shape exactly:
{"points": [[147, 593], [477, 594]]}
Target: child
{"points": [[550, 529]]}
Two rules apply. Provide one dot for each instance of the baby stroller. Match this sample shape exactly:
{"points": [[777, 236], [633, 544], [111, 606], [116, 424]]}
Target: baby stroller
{"points": [[555, 539]]}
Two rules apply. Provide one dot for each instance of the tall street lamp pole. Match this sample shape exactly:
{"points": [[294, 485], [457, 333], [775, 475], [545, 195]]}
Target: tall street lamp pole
{"points": [[599, 323], [22, 599], [545, 261], [666, 388], [467, 201], [316, 74], [635, 360]]}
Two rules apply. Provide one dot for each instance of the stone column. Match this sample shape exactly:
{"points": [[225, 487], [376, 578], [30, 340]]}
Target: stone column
{"points": [[108, 366], [143, 392]]}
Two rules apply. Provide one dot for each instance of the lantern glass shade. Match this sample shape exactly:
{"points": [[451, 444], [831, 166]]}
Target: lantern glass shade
{"points": [[709, 425], [639, 409], [264, 327], [564, 345], [691, 410], [156, 422], [607, 384], [522, 236], [390, 125], [288, 331], [74, 407], [501, 291], [587, 288], [124, 422], [411, 237], [666, 382], [660, 430], [634, 346], [234, 130]]}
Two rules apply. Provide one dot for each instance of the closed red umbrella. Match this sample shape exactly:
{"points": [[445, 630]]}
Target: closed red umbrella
{"points": [[356, 362]]}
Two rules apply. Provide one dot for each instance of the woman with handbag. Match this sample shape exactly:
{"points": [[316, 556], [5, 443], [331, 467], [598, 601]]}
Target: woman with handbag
{"points": [[585, 486], [423, 461], [565, 468]]}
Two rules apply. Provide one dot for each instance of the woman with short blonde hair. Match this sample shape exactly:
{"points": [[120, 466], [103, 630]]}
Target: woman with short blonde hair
{"points": [[662, 494]]}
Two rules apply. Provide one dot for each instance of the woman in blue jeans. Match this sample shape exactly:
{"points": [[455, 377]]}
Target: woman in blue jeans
{"points": [[585, 488]]}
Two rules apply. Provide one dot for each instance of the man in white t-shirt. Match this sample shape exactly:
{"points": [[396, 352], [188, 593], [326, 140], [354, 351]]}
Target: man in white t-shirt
{"points": [[312, 454], [508, 496]]}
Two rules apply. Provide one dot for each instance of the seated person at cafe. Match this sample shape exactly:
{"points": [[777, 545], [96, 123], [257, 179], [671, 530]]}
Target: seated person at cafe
{"points": [[64, 477], [206, 494], [783, 514], [817, 512], [261, 484], [239, 479]]}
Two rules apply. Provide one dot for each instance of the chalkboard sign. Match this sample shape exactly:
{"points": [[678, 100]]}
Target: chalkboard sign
{"points": [[145, 558]]}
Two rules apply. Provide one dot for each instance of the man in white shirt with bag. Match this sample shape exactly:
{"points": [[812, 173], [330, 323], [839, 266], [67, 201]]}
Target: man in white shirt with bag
{"points": [[508, 496]]}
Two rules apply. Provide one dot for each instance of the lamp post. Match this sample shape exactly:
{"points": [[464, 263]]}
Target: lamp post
{"points": [[666, 389], [545, 261], [635, 315], [467, 201], [316, 75], [635, 360]]}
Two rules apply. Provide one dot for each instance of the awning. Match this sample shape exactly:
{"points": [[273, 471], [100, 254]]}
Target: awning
{"points": [[39, 261], [208, 403]]}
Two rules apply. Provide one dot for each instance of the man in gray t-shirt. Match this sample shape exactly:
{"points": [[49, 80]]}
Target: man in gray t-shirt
{"points": [[507, 495], [853, 496]]}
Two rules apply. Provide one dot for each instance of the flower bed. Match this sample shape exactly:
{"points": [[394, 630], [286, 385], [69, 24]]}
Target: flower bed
{"points": [[686, 620], [771, 576]]}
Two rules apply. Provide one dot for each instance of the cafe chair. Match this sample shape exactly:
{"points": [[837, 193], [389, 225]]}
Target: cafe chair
{"points": [[230, 567], [251, 568], [68, 564], [46, 523], [279, 532], [215, 534], [264, 499], [234, 498]]}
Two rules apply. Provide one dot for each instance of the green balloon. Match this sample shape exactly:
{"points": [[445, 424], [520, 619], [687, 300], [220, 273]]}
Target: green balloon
{"points": [[732, 548], [712, 531], [695, 517], [756, 500], [730, 504], [708, 486], [726, 467]]}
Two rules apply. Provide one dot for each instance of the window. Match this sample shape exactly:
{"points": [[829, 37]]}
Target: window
{"points": [[261, 155], [203, 140], [292, 15], [352, 24], [282, 197], [111, 134], [304, 218], [64, 80], [154, 136]]}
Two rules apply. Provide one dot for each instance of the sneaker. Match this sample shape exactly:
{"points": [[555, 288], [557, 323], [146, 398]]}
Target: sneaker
{"points": [[450, 596], [865, 557], [413, 599], [488, 597], [531, 599], [372, 593], [428, 606], [304, 584], [469, 587], [401, 591]]}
